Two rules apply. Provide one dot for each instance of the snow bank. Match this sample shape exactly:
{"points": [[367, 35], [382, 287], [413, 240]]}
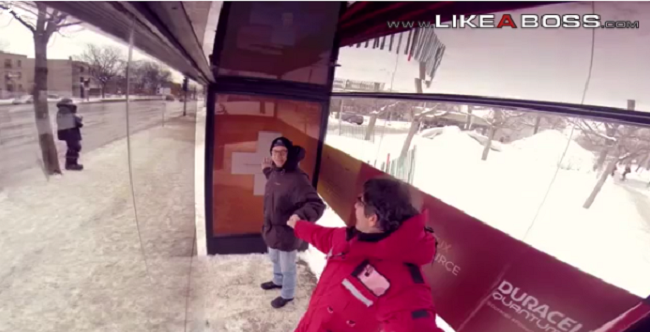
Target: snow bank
{"points": [[547, 148], [452, 139], [373, 152], [508, 190]]}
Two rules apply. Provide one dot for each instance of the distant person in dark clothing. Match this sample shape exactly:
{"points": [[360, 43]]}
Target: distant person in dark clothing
{"points": [[628, 170], [69, 124], [288, 195]]}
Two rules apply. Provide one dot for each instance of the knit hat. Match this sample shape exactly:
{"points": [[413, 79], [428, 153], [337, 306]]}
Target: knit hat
{"points": [[281, 141]]}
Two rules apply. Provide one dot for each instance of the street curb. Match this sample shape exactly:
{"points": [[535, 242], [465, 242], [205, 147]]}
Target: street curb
{"points": [[96, 102]]}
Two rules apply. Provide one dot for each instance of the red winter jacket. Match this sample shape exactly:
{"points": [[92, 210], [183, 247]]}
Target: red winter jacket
{"points": [[372, 282]]}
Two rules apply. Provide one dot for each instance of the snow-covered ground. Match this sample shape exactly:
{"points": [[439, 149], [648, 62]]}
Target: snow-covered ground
{"points": [[611, 240], [73, 257]]}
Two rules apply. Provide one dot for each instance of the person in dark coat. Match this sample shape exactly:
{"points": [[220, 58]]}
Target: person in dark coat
{"points": [[373, 279], [289, 195], [69, 130]]}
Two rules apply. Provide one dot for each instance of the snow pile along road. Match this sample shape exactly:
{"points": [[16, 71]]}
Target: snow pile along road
{"points": [[547, 148]]}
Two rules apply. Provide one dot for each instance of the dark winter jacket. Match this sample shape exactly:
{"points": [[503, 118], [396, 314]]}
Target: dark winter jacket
{"points": [[288, 192], [68, 122], [372, 282]]}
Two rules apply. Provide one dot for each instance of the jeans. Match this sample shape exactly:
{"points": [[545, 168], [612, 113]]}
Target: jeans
{"points": [[284, 271]]}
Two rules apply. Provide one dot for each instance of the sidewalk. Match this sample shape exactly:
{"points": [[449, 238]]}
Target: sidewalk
{"points": [[71, 260]]}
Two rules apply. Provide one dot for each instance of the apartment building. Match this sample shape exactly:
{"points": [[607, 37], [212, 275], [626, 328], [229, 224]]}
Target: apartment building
{"points": [[66, 78], [12, 75]]}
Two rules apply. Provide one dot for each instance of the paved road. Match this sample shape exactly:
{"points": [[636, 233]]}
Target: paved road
{"points": [[103, 123]]}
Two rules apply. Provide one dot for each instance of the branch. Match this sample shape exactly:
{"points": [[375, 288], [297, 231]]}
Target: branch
{"points": [[384, 108], [53, 23], [68, 24], [596, 133], [625, 156], [27, 8], [17, 17]]}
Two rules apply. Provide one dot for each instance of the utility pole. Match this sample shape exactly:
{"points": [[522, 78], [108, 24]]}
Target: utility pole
{"points": [[185, 88]]}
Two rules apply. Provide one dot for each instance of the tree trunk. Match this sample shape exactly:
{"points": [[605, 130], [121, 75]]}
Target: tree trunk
{"points": [[488, 143], [41, 112], [601, 181], [103, 90], [538, 120], [642, 162], [339, 117], [468, 123], [370, 131], [415, 125], [601, 159]]}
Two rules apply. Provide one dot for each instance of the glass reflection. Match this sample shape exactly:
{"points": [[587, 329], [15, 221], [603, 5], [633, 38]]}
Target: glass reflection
{"points": [[245, 126], [565, 185], [532, 64], [107, 246], [258, 44]]}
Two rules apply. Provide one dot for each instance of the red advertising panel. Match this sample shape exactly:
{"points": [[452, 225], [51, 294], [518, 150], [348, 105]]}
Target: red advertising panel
{"points": [[539, 293], [636, 319], [486, 281]]}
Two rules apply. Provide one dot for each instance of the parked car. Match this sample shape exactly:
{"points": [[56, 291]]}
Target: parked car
{"points": [[26, 99], [169, 98], [29, 99], [352, 118]]}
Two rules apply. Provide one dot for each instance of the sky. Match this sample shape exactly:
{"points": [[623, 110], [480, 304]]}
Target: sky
{"points": [[535, 64], [539, 64], [70, 42]]}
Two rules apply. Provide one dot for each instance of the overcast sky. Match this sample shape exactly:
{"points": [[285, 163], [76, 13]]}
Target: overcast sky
{"points": [[537, 64], [70, 42]]}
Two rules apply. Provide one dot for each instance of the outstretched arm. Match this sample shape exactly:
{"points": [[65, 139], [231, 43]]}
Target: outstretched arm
{"points": [[310, 205], [318, 236]]}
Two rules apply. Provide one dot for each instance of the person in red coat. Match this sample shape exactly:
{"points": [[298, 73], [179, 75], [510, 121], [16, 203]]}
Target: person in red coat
{"points": [[373, 279]]}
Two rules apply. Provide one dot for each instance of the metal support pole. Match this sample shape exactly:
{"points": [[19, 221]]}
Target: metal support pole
{"points": [[185, 88]]}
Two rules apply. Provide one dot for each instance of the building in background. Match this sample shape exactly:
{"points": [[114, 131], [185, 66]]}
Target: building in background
{"points": [[66, 78], [343, 85], [12, 75]]}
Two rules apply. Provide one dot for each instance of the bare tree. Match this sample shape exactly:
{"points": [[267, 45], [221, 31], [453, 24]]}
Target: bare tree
{"points": [[152, 75], [496, 120], [617, 144], [105, 62], [381, 109], [627, 143], [431, 112], [599, 136], [540, 121], [43, 22]]}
